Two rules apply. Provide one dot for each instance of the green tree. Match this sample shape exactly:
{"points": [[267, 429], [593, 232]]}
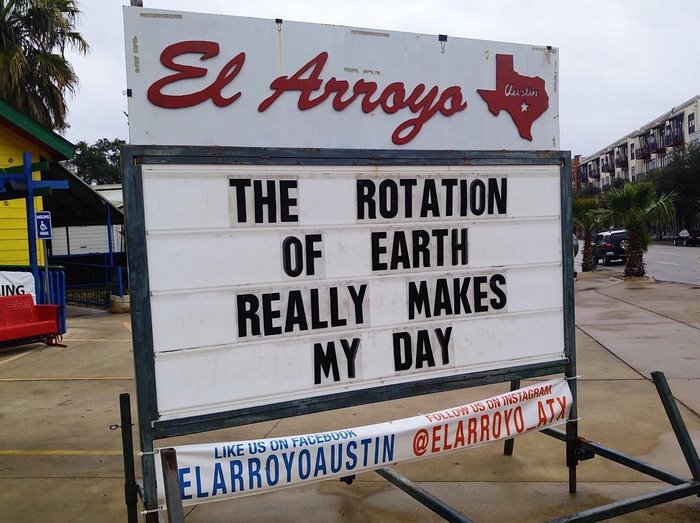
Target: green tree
{"points": [[34, 73], [588, 190], [99, 163], [634, 206], [586, 216], [682, 176], [616, 183]]}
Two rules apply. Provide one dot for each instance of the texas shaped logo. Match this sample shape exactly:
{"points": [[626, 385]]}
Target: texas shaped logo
{"points": [[523, 97]]}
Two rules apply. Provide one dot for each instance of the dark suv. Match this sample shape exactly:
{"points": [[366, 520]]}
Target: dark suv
{"points": [[611, 245]]}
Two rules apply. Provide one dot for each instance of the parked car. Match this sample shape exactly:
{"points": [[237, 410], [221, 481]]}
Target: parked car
{"points": [[687, 237], [611, 245]]}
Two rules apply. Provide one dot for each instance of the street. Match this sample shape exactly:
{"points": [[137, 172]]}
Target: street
{"points": [[677, 264], [664, 262]]}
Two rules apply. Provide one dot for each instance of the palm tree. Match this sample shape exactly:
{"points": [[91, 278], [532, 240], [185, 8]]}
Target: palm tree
{"points": [[585, 216], [634, 206], [34, 73]]}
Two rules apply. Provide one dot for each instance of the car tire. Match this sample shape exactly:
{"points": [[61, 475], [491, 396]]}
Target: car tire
{"points": [[606, 260], [675, 243], [685, 243]]}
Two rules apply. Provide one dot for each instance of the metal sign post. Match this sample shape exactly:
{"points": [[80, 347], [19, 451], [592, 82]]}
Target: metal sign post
{"points": [[31, 223]]}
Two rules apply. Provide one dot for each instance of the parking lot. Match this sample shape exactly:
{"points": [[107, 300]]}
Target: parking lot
{"points": [[61, 461]]}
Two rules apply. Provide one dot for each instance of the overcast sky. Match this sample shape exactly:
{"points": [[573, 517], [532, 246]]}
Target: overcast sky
{"points": [[622, 62]]}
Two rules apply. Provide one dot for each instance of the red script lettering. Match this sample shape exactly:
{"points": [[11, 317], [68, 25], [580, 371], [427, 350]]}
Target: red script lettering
{"points": [[391, 99], [422, 102], [207, 50]]}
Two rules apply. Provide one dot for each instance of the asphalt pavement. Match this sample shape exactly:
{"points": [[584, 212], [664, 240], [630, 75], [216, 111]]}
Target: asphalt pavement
{"points": [[61, 461], [663, 262]]}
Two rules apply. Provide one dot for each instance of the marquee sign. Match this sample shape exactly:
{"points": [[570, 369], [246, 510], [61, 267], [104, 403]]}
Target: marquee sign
{"points": [[324, 216], [197, 79], [275, 283]]}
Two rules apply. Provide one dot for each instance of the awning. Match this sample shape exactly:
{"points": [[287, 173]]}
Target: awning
{"points": [[78, 205]]}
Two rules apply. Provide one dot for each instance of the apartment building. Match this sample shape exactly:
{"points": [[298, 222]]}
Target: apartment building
{"points": [[643, 150]]}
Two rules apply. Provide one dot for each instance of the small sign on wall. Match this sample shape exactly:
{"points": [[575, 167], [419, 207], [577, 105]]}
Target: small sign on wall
{"points": [[43, 225]]}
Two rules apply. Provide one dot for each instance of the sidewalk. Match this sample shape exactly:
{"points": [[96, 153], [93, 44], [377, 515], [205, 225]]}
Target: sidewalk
{"points": [[59, 460]]}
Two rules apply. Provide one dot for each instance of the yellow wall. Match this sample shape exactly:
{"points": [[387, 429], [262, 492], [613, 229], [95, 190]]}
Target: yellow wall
{"points": [[14, 248]]}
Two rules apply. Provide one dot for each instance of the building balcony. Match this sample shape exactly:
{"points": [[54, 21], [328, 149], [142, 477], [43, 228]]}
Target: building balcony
{"points": [[656, 145], [643, 152], [607, 166], [621, 160], [673, 138]]}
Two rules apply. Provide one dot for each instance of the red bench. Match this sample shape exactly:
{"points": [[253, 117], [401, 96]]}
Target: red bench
{"points": [[22, 321]]}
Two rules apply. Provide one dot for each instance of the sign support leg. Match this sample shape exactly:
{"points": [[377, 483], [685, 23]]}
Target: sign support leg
{"points": [[679, 428], [682, 488], [572, 441], [424, 497], [149, 478], [571, 447], [130, 487], [171, 481], [510, 443]]}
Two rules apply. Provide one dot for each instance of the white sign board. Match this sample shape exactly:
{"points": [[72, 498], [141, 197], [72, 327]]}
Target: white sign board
{"points": [[200, 79], [276, 283]]}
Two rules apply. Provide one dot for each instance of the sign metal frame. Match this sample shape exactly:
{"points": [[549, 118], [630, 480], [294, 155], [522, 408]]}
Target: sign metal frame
{"points": [[151, 428]]}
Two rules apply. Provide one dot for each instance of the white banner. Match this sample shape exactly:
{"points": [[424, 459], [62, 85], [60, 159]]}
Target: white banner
{"points": [[16, 282], [216, 471]]}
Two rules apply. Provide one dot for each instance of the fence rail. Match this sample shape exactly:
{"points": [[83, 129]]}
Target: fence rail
{"points": [[90, 282]]}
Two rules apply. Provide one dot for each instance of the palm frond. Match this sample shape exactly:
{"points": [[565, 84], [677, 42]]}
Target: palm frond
{"points": [[34, 74], [634, 206]]}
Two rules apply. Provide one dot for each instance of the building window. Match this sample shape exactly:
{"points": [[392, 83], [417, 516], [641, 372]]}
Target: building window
{"points": [[632, 172], [632, 150], [691, 123]]}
